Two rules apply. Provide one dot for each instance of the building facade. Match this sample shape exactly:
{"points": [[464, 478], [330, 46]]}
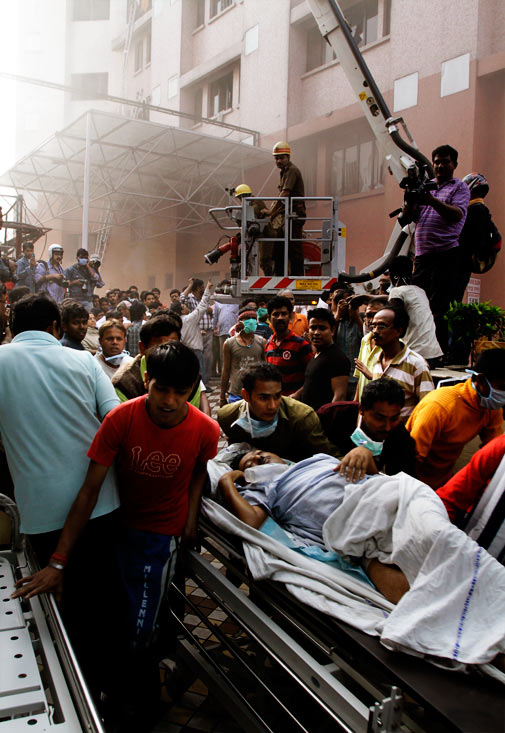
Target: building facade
{"points": [[264, 66]]}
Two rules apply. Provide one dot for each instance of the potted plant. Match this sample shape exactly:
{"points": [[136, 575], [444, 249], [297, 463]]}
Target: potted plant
{"points": [[475, 327]]}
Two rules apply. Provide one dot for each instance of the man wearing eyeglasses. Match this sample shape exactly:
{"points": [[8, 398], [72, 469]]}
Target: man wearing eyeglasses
{"points": [[396, 360]]}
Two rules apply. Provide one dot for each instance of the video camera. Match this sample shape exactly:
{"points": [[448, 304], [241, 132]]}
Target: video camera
{"points": [[416, 184]]}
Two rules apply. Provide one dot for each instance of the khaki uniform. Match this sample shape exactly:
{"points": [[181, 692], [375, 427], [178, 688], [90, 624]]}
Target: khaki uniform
{"points": [[291, 180]]}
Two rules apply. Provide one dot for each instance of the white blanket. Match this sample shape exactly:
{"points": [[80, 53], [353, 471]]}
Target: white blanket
{"points": [[455, 606], [314, 583]]}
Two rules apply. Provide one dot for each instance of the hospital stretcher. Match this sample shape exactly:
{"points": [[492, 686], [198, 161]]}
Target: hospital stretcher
{"points": [[287, 667], [41, 685]]}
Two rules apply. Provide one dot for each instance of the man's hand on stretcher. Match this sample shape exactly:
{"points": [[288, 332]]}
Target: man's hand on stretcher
{"points": [[357, 463], [47, 580]]}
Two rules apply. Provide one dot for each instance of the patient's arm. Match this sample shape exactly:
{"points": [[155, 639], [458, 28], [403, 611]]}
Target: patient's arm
{"points": [[388, 579], [254, 516]]}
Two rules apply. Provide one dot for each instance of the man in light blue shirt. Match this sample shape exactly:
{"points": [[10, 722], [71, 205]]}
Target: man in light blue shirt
{"points": [[51, 403]]}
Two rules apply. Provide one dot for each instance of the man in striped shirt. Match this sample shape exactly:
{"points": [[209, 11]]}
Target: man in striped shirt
{"points": [[396, 360], [288, 352]]}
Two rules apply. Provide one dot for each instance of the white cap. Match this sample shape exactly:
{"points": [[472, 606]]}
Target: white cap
{"points": [[95, 258], [55, 246]]}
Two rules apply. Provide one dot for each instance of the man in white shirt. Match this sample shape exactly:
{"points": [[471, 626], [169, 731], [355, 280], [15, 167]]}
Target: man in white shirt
{"points": [[420, 335]]}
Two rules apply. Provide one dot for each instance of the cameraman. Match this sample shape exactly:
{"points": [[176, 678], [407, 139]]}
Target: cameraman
{"points": [[83, 277], [50, 276], [439, 216]]}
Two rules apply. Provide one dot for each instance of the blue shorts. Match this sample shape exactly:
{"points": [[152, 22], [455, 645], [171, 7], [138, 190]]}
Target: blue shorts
{"points": [[147, 564]]}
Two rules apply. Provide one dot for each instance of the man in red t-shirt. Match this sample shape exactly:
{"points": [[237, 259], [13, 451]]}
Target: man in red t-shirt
{"points": [[160, 445]]}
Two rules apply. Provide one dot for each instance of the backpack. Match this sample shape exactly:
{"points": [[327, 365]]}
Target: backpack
{"points": [[486, 239]]}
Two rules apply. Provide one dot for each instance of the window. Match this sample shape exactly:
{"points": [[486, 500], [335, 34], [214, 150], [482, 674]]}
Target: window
{"points": [[217, 6], [198, 103], [356, 169], [455, 75], [141, 8], [363, 17], [405, 92], [251, 40], [199, 13], [89, 86], [318, 51], [156, 95], [148, 47], [91, 10], [221, 94], [173, 87], [139, 52]]}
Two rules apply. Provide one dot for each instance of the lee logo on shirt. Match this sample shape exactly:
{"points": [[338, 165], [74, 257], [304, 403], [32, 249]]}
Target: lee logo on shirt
{"points": [[155, 463]]}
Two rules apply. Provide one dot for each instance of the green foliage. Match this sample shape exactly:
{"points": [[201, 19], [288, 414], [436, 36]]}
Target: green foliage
{"points": [[470, 321]]}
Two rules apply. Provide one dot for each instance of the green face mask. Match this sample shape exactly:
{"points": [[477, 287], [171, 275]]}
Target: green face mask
{"points": [[250, 325], [262, 312]]}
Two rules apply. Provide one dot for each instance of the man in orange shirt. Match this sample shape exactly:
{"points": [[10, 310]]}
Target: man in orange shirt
{"points": [[448, 418], [298, 322]]}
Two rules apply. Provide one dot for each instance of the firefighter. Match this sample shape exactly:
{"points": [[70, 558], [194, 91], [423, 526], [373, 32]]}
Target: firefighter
{"points": [[259, 208], [290, 184]]}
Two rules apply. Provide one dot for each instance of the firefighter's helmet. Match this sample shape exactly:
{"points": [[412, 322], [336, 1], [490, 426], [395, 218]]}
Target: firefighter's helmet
{"points": [[281, 148], [243, 190], [477, 183]]}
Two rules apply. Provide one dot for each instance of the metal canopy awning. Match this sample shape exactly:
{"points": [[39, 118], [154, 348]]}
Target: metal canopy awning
{"points": [[108, 170]]}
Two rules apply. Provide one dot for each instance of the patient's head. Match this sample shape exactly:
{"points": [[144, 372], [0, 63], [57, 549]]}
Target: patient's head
{"points": [[256, 458], [381, 405]]}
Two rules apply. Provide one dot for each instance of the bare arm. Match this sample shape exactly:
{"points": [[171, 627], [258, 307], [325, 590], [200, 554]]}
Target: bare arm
{"points": [[49, 579], [254, 516], [339, 388], [225, 374], [196, 484], [204, 404], [447, 211]]}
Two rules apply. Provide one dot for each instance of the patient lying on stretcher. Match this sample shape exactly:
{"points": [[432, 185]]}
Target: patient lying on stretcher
{"points": [[300, 497]]}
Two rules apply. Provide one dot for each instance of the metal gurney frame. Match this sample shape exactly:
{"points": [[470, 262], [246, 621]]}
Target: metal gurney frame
{"points": [[41, 685], [344, 677]]}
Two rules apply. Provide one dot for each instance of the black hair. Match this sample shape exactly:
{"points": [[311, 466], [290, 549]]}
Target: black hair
{"points": [[81, 251], [159, 326], [260, 372], [17, 293], [145, 293], [110, 323], [133, 287], [197, 283], [71, 310], [401, 317], [401, 268], [322, 314], [176, 308], [159, 291], [113, 314], [174, 290], [27, 245], [381, 300], [443, 150], [245, 301], [491, 363], [382, 390], [279, 301], [173, 365], [235, 462], [137, 310], [341, 286], [34, 313]]}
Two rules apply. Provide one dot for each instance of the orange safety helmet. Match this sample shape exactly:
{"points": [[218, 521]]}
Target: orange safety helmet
{"points": [[281, 148]]}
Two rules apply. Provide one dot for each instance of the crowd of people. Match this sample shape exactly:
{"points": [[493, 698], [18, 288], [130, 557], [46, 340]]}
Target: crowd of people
{"points": [[107, 428]]}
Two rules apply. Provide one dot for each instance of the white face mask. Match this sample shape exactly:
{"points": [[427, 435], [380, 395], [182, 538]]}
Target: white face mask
{"points": [[362, 440], [495, 399], [255, 428], [115, 359]]}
